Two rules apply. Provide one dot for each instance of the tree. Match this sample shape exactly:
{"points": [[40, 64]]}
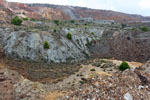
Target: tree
{"points": [[16, 21], [46, 45], [145, 29]]}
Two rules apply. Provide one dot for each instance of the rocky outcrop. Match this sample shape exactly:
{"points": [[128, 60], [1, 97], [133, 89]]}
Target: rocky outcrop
{"points": [[29, 45], [124, 45], [91, 42]]}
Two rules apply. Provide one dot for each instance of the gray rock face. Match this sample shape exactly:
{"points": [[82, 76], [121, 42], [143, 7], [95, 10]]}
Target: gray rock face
{"points": [[29, 45], [86, 42]]}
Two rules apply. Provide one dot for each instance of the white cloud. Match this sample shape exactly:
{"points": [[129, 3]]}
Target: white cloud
{"points": [[144, 4]]}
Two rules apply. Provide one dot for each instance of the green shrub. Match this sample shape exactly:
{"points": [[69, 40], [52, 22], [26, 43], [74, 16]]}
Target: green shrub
{"points": [[145, 29], [24, 13], [102, 61], [69, 35], [92, 32], [56, 22], [123, 25], [54, 30], [25, 19], [124, 65], [72, 21], [92, 69], [16, 20], [134, 29], [46, 45]]}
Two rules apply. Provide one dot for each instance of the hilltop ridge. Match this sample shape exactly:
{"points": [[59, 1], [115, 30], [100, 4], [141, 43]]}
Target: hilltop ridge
{"points": [[51, 12]]}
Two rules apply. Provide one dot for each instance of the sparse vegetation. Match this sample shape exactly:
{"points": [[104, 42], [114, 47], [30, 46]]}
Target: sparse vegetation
{"points": [[144, 28], [102, 61], [84, 79], [32, 19], [88, 42], [81, 82], [25, 19], [124, 65], [69, 35], [16, 21], [134, 29], [123, 25], [46, 45]]}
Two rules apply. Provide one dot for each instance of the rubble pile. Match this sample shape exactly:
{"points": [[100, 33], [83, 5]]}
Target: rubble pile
{"points": [[132, 84]]}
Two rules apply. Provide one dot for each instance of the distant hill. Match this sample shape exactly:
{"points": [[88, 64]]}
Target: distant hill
{"points": [[50, 11], [83, 12]]}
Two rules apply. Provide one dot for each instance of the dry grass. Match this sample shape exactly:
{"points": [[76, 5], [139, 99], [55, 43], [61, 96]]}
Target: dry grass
{"points": [[54, 95], [131, 64]]}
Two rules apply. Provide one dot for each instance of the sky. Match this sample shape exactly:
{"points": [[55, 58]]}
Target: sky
{"points": [[141, 7]]}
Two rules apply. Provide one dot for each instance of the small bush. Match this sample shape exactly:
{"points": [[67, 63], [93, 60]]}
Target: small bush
{"points": [[123, 25], [25, 19], [69, 35], [54, 30], [16, 21], [46, 45], [72, 21], [82, 82], [145, 29], [124, 65], [92, 32], [56, 22], [102, 61], [92, 69], [24, 13]]}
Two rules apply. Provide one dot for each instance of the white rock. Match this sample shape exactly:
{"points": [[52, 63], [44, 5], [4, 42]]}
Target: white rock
{"points": [[140, 87], [128, 96]]}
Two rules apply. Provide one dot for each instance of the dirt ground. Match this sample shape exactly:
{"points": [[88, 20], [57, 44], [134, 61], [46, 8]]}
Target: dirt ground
{"points": [[61, 79]]}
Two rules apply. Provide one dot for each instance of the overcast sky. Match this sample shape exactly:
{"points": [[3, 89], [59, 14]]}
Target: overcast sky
{"points": [[128, 6]]}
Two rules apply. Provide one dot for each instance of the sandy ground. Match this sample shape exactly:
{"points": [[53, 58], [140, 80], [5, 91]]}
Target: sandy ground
{"points": [[131, 64]]}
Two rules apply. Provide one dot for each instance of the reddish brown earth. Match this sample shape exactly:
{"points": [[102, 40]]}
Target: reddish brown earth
{"points": [[59, 12], [37, 12], [106, 15]]}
